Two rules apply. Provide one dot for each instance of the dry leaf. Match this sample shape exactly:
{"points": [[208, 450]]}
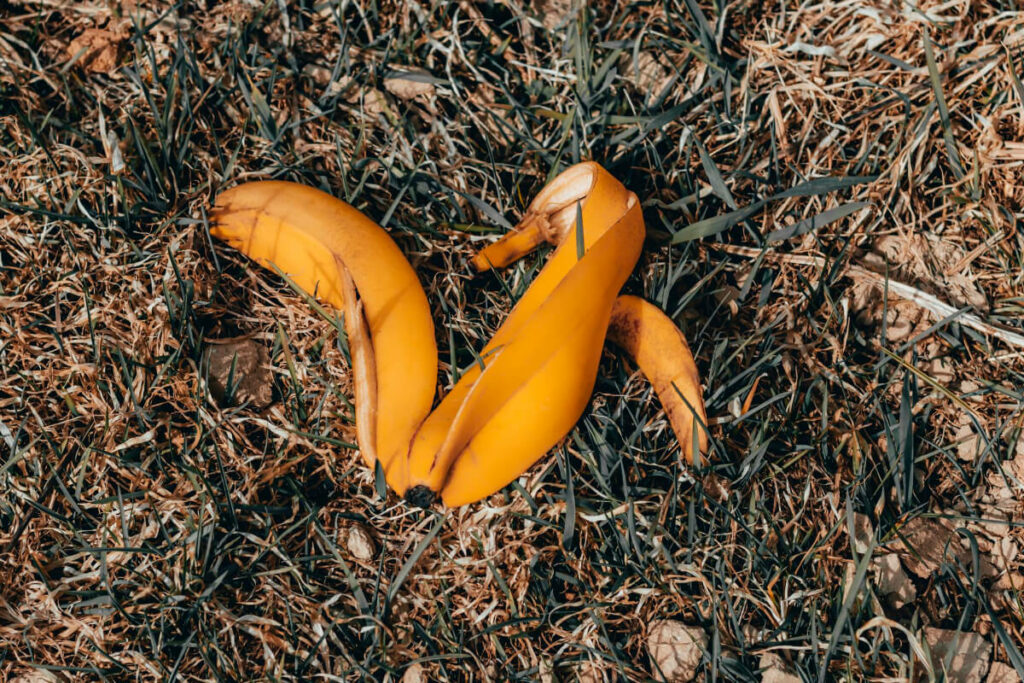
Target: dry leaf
{"points": [[98, 50], [675, 650], [928, 542], [971, 654], [589, 672], [1004, 554], [546, 670], [370, 100], [648, 75], [892, 582], [1010, 581], [930, 263], [410, 85], [554, 12], [250, 381], [1002, 673], [36, 676], [968, 444], [941, 370], [775, 670], [903, 318]]}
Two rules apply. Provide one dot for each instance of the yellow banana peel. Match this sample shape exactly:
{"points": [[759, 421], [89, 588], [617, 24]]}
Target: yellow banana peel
{"points": [[535, 376]]}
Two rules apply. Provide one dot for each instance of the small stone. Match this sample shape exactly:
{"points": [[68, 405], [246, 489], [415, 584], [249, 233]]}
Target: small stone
{"points": [[245, 366], [863, 532], [968, 445], [1002, 673], [546, 670], [775, 670], [675, 650], [893, 583], [415, 674], [361, 543], [941, 370], [971, 654], [969, 386]]}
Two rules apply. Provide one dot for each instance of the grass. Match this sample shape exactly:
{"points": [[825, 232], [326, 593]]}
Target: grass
{"points": [[147, 533]]}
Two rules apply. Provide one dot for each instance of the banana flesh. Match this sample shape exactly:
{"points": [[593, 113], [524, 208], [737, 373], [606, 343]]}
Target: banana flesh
{"points": [[536, 374]]}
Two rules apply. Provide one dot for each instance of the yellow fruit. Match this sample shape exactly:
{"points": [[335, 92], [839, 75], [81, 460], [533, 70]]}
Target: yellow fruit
{"points": [[536, 374], [542, 362], [660, 350], [315, 239]]}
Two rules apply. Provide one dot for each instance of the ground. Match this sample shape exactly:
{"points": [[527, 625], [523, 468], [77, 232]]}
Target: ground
{"points": [[832, 194]]}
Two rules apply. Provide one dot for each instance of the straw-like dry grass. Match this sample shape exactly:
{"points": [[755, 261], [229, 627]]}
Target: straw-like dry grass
{"points": [[789, 157]]}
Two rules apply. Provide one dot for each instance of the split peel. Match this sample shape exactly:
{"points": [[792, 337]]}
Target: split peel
{"points": [[538, 371]]}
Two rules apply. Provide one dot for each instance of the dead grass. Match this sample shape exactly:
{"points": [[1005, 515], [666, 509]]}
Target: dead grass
{"points": [[148, 533]]}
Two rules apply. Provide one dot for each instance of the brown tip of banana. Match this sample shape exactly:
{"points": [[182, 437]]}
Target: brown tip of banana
{"points": [[421, 496], [523, 239]]}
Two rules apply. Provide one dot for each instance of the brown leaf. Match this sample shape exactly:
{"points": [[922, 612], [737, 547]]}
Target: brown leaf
{"points": [[554, 12], [250, 381], [648, 75], [415, 674], [409, 86], [968, 443], [863, 532], [893, 583], [928, 542], [1002, 673], [775, 670], [971, 653], [98, 50]]}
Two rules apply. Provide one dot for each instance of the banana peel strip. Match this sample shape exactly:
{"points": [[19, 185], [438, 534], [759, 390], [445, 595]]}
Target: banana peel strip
{"points": [[536, 374]]}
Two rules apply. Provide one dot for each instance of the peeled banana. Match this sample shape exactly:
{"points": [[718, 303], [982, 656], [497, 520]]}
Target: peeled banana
{"points": [[536, 374]]}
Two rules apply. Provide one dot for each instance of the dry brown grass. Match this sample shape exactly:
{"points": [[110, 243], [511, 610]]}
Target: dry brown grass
{"points": [[149, 533]]}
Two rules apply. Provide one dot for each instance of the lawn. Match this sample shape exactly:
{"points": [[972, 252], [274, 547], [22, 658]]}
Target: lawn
{"points": [[833, 198]]}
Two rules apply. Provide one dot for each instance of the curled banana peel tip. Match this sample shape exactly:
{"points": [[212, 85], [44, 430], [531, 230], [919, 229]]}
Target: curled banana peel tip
{"points": [[527, 393]]}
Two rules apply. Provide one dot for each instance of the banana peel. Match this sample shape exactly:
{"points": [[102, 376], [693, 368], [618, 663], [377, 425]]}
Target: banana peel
{"points": [[536, 374]]}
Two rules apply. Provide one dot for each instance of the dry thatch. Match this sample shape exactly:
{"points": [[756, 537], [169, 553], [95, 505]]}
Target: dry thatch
{"points": [[782, 151]]}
